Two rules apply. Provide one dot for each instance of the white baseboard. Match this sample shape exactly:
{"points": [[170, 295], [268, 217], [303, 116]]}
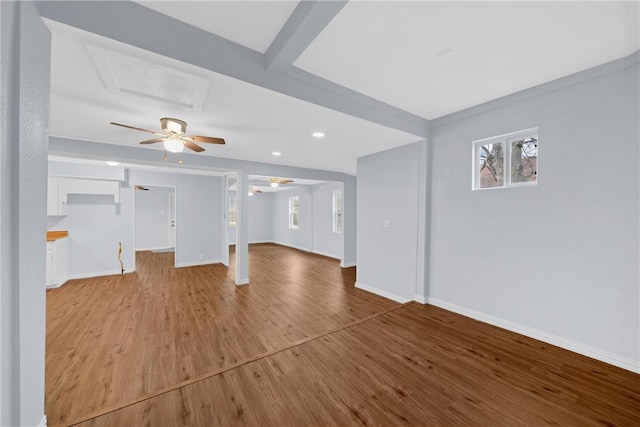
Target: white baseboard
{"points": [[153, 249], [389, 295], [97, 274], [347, 264], [576, 347], [257, 242], [327, 254], [196, 263], [300, 248], [43, 421], [242, 282], [419, 298]]}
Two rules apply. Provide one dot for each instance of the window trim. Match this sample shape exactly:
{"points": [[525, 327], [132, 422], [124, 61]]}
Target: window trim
{"points": [[505, 139]]}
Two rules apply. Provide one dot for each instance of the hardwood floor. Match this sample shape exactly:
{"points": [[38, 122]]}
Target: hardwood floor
{"points": [[370, 361], [114, 339]]}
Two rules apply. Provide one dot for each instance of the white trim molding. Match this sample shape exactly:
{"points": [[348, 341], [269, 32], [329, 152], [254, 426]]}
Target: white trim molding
{"points": [[159, 248], [347, 264], [576, 347], [420, 298], [385, 294], [43, 421], [197, 263], [95, 274], [300, 248], [327, 254], [242, 282]]}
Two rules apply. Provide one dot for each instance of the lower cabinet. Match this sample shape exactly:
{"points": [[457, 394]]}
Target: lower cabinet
{"points": [[56, 273]]}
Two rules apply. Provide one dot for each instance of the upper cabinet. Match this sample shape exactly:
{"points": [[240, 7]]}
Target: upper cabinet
{"points": [[56, 196], [94, 186], [59, 188]]}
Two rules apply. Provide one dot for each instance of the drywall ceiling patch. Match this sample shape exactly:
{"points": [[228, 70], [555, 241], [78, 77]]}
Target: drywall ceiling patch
{"points": [[125, 74]]}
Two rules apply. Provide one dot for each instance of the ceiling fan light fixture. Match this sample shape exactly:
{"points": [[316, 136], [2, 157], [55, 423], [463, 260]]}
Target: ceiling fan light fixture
{"points": [[173, 145], [169, 124], [274, 184], [318, 134]]}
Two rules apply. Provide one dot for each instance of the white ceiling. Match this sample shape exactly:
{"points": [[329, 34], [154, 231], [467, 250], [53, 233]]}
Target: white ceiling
{"points": [[390, 50], [254, 121], [426, 57], [263, 183], [253, 24]]}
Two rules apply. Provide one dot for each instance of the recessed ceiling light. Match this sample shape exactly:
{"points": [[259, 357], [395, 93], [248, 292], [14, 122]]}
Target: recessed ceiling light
{"points": [[276, 153], [112, 163], [318, 134]]}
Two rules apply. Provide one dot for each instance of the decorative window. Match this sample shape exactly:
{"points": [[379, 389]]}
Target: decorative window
{"points": [[506, 161], [232, 211], [294, 222], [337, 211]]}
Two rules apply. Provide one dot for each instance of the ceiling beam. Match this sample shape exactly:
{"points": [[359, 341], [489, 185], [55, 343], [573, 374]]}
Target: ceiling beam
{"points": [[138, 26], [137, 154], [305, 23]]}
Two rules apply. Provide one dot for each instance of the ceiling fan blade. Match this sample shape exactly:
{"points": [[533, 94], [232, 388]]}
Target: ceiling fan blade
{"points": [[257, 191], [135, 128], [195, 147], [280, 181], [152, 141], [140, 188], [206, 139]]}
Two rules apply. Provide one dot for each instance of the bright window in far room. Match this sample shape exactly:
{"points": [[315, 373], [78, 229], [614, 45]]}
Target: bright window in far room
{"points": [[337, 211], [232, 211], [506, 161], [294, 222]]}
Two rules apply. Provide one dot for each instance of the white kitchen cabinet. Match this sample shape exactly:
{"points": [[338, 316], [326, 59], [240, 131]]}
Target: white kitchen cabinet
{"points": [[56, 196], [93, 186], [56, 272]]}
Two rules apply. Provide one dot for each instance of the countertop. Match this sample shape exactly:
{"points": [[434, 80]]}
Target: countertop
{"points": [[55, 235]]}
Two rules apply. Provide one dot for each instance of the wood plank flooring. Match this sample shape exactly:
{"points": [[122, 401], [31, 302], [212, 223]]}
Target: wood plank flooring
{"points": [[402, 365], [416, 365], [114, 339]]}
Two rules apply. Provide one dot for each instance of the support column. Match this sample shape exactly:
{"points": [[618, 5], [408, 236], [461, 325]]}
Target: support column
{"points": [[242, 229], [25, 54]]}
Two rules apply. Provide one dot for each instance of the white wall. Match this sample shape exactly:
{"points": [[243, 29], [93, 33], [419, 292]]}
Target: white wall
{"points": [[96, 224], [324, 240], [316, 226], [199, 214], [151, 221], [562, 257], [558, 261], [388, 191], [300, 238], [261, 218]]}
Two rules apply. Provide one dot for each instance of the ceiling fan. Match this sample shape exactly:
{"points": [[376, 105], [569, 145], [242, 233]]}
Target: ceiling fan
{"points": [[277, 181], [253, 191], [140, 188], [173, 137]]}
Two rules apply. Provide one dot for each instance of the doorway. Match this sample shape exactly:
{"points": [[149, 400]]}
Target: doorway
{"points": [[155, 225]]}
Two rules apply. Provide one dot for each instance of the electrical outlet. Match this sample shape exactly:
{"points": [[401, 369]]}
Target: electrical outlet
{"points": [[201, 257]]}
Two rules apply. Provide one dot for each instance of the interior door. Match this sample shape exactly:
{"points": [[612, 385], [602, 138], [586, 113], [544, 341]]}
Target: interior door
{"points": [[172, 219]]}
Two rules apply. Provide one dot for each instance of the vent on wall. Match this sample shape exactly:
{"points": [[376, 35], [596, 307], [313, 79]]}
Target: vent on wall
{"points": [[122, 73]]}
